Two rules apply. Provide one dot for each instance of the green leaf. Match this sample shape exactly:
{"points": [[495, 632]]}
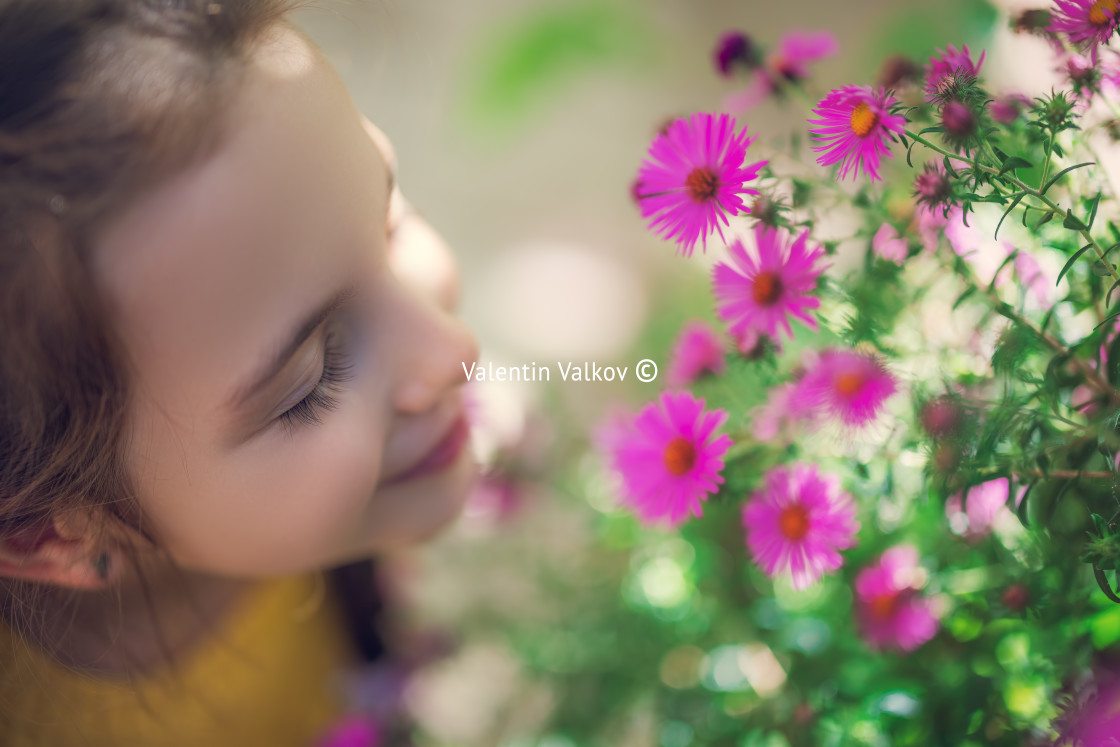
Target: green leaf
{"points": [[968, 292], [1021, 510], [949, 168], [1109, 296], [1070, 261], [1062, 173], [1102, 582], [1014, 162], [993, 197], [1015, 201], [1004, 263], [1093, 211], [1108, 318], [1073, 222], [1102, 269]]}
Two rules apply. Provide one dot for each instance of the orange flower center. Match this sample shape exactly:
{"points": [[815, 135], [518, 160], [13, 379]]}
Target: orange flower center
{"points": [[793, 522], [1103, 11], [679, 456], [767, 288], [701, 183], [863, 119], [882, 606], [848, 384]]}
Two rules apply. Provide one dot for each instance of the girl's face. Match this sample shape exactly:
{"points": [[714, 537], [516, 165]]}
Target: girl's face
{"points": [[297, 385]]}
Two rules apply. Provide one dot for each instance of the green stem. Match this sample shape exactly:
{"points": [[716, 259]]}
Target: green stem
{"points": [[1054, 207], [1066, 473], [1004, 309], [1046, 163]]}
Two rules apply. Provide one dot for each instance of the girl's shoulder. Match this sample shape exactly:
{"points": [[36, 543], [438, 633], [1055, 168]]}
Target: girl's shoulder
{"points": [[269, 675]]}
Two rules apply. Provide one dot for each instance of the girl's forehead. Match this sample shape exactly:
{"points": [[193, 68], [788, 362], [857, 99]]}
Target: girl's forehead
{"points": [[205, 271]]}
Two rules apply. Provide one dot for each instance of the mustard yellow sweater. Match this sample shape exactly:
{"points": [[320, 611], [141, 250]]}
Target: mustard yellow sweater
{"points": [[267, 679]]}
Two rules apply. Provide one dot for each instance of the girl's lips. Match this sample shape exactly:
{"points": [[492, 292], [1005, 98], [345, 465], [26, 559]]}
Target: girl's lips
{"points": [[442, 455]]}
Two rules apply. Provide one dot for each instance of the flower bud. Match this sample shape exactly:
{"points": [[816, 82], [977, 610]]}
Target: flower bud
{"points": [[958, 120], [734, 48], [803, 713], [932, 187], [1016, 597], [1031, 22], [765, 210], [898, 71], [753, 346], [941, 417], [1006, 109], [1054, 111]]}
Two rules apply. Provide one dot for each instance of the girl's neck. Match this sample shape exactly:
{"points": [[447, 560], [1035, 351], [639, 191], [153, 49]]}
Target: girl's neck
{"points": [[143, 624]]}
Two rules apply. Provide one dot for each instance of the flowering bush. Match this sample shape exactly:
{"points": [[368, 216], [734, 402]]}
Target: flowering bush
{"points": [[862, 527]]}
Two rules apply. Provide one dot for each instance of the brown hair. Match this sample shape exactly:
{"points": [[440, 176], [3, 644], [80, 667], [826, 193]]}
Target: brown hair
{"points": [[98, 100]]}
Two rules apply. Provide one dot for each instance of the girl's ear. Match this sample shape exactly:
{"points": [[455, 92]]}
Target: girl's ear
{"points": [[56, 554]]}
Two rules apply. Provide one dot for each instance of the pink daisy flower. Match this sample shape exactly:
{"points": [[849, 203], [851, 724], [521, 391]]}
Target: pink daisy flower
{"points": [[889, 245], [947, 65], [1090, 715], [891, 611], [694, 177], [853, 125], [975, 514], [848, 385], [669, 457], [763, 295], [798, 522], [698, 350], [788, 62], [1087, 23]]}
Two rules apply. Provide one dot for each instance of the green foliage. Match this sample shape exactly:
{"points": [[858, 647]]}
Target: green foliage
{"points": [[526, 64]]}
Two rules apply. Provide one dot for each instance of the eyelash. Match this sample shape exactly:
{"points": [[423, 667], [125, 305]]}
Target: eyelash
{"points": [[336, 370]]}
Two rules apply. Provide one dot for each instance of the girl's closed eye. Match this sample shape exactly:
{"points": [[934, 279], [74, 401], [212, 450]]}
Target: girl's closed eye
{"points": [[337, 369]]}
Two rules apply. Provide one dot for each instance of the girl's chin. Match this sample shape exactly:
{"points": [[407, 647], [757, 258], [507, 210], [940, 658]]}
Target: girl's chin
{"points": [[423, 508]]}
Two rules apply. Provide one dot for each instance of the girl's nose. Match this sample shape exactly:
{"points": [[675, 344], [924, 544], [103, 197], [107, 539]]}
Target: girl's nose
{"points": [[434, 348], [421, 258]]}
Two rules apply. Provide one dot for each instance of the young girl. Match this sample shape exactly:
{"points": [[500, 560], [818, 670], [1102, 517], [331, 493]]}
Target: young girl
{"points": [[222, 371]]}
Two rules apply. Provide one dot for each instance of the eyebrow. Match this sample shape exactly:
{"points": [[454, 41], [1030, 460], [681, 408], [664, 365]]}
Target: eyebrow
{"points": [[275, 363]]}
